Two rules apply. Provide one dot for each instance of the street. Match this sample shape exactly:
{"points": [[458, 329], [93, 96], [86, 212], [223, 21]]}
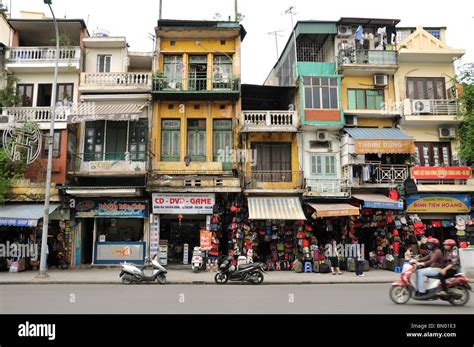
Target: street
{"points": [[228, 299]]}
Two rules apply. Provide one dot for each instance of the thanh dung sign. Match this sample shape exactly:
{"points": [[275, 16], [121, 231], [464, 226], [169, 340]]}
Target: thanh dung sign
{"points": [[442, 203], [183, 203], [384, 146]]}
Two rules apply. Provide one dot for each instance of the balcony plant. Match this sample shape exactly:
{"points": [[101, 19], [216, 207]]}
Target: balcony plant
{"points": [[8, 96]]}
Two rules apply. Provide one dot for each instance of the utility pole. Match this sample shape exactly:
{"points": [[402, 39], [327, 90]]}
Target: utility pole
{"points": [[236, 10], [291, 12], [161, 10], [276, 34], [47, 190]]}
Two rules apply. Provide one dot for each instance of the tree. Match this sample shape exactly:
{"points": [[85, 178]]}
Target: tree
{"points": [[8, 171], [8, 97], [466, 115]]}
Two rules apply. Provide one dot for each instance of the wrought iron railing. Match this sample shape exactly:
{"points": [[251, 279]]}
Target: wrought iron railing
{"points": [[221, 84], [353, 56]]}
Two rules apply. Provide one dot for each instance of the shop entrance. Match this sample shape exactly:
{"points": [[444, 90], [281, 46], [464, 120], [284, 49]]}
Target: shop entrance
{"points": [[87, 240], [177, 235]]}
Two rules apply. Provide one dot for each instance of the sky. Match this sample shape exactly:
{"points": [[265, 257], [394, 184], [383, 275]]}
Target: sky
{"points": [[136, 19]]}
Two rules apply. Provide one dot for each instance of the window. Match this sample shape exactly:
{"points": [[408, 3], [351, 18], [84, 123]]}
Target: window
{"points": [[103, 63], [365, 99], [56, 144], [116, 140], [273, 162], [222, 72], [433, 153], [435, 32], [426, 88], [321, 92], [64, 92], [173, 70], [25, 93], [197, 72], [170, 139], [323, 165], [222, 141], [197, 139]]}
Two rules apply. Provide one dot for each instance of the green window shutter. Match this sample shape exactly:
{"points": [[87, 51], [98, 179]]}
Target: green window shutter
{"points": [[313, 165], [351, 100], [361, 100]]}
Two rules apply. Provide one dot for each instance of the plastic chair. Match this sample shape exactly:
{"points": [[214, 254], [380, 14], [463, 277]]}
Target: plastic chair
{"points": [[398, 269], [308, 267]]}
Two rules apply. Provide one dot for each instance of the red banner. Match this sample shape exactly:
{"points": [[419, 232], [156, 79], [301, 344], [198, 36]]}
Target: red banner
{"points": [[206, 240], [441, 172]]}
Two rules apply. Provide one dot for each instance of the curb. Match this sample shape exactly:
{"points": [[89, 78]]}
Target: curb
{"points": [[197, 283]]}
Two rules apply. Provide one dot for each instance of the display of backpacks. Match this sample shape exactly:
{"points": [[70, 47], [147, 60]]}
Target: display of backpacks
{"points": [[324, 268]]}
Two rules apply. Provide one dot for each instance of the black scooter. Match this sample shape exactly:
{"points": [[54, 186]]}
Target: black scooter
{"points": [[252, 272]]}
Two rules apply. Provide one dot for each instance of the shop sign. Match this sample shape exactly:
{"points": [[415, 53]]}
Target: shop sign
{"points": [[448, 203], [441, 173], [16, 222], [384, 146], [114, 252], [186, 254], [112, 209], [117, 166], [206, 240], [183, 203], [395, 205], [154, 235]]}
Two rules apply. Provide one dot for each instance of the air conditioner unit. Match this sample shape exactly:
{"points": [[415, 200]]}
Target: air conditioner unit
{"points": [[447, 133], [351, 120], [421, 106], [380, 80], [344, 30], [322, 136]]}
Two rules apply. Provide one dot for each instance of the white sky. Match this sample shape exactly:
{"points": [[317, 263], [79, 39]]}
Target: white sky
{"points": [[135, 19]]}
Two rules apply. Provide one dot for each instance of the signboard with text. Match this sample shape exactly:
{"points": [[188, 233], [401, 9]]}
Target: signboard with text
{"points": [[206, 240], [183, 203], [439, 203], [384, 146], [441, 172], [112, 209]]}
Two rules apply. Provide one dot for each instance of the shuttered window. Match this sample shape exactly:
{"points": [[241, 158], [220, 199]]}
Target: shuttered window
{"points": [[323, 165], [170, 139], [197, 139], [273, 162], [222, 142]]}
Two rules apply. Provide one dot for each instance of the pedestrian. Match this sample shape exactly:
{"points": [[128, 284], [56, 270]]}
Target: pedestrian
{"points": [[358, 257], [334, 258]]}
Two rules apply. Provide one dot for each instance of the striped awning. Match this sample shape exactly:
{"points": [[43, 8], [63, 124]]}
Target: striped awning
{"points": [[26, 215], [276, 208], [87, 112], [334, 210]]}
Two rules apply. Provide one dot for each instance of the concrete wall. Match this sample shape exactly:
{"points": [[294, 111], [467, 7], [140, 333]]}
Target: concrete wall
{"points": [[335, 149], [366, 82], [118, 63], [430, 134], [5, 31]]}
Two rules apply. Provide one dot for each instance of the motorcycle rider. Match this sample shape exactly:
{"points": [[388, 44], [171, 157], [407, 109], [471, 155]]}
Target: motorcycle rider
{"points": [[432, 265], [451, 268]]}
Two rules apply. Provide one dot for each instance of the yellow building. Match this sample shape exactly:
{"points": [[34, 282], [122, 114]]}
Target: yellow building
{"points": [[196, 104]]}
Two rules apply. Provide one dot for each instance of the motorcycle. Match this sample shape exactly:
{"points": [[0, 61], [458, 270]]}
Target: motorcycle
{"points": [[252, 272], [404, 289], [132, 274], [62, 262], [197, 262]]}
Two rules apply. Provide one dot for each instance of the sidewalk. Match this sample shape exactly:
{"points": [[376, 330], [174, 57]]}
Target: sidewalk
{"points": [[186, 276]]}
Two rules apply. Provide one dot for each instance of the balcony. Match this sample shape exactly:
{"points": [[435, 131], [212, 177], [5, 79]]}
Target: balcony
{"points": [[108, 164], [431, 111], [337, 188], [384, 176], [42, 59], [273, 181], [196, 88], [360, 61], [139, 82], [38, 115], [274, 121]]}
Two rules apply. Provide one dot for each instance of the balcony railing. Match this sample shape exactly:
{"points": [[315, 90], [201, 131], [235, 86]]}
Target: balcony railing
{"points": [[366, 57], [381, 174], [119, 80], [33, 114], [195, 85], [269, 120], [331, 187], [109, 162], [433, 107], [258, 179], [42, 54]]}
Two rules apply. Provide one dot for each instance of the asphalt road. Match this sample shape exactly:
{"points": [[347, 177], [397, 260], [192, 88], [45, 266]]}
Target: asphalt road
{"points": [[164, 299]]}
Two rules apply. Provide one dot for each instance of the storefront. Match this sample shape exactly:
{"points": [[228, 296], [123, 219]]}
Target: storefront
{"points": [[20, 235], [112, 230], [178, 219]]}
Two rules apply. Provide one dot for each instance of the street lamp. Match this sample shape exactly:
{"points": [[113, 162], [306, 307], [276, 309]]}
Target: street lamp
{"points": [[44, 239]]}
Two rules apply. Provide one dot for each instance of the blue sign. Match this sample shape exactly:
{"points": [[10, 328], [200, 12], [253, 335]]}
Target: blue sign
{"points": [[17, 222], [112, 209], [395, 205], [439, 203]]}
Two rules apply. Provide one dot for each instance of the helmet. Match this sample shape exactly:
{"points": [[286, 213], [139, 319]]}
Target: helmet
{"points": [[432, 242], [449, 242]]}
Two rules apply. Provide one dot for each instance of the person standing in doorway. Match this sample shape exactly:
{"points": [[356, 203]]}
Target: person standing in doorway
{"points": [[358, 257]]}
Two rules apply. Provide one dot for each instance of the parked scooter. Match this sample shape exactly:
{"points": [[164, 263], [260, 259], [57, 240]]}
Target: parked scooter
{"points": [[252, 272], [405, 288], [198, 262], [132, 274]]}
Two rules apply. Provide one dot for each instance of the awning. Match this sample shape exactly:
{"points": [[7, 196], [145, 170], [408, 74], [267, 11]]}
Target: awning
{"points": [[379, 140], [379, 201], [279, 208], [334, 210], [87, 112], [23, 215]]}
